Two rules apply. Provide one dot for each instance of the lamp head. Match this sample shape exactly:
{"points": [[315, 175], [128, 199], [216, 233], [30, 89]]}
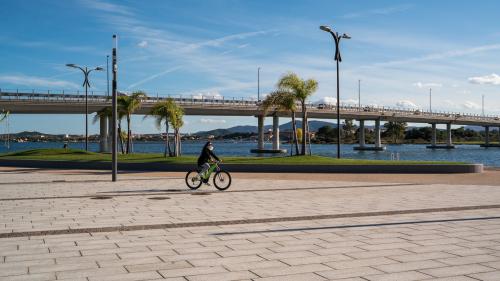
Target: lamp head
{"points": [[346, 36], [99, 68], [325, 28], [71, 65]]}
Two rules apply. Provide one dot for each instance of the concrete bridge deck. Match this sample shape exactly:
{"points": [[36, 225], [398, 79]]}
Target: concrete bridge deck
{"points": [[74, 103]]}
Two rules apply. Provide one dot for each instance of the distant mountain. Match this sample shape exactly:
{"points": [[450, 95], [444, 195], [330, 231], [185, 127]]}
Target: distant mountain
{"points": [[314, 125]]}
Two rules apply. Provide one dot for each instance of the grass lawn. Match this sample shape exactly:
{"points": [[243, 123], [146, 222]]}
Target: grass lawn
{"points": [[81, 155]]}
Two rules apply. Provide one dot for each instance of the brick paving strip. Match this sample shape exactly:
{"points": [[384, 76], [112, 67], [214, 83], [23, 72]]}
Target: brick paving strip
{"points": [[180, 191], [249, 221]]}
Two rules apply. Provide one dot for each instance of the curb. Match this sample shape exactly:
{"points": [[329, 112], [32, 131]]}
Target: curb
{"points": [[253, 168]]}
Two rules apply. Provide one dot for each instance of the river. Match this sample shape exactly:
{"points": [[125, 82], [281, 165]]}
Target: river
{"points": [[462, 153]]}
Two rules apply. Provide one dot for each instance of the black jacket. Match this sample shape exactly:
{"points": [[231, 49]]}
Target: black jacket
{"points": [[206, 155]]}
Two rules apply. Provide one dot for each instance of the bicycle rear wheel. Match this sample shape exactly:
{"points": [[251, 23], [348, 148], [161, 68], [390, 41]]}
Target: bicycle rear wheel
{"points": [[193, 181], [222, 180]]}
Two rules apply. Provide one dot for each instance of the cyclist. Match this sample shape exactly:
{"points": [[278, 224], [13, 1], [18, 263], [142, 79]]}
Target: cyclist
{"points": [[206, 156]]}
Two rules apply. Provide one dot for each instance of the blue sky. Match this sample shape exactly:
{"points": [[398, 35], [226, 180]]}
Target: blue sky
{"points": [[399, 49]]}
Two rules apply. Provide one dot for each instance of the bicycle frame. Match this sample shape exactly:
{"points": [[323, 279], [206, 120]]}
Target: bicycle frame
{"points": [[213, 166]]}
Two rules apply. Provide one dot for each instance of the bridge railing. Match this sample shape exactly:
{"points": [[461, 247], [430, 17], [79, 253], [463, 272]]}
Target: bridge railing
{"points": [[199, 100]]}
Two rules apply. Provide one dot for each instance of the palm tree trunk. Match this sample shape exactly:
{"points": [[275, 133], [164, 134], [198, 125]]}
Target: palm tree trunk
{"points": [[309, 139], [180, 145], [166, 140], [176, 142], [304, 128], [129, 134], [120, 136], [295, 139]]}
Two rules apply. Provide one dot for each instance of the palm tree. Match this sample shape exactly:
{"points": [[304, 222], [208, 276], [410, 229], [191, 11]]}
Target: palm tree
{"points": [[162, 111], [177, 122], [129, 104], [283, 100], [396, 130], [302, 90]]}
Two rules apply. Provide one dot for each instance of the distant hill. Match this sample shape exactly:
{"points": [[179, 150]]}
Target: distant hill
{"points": [[314, 125]]}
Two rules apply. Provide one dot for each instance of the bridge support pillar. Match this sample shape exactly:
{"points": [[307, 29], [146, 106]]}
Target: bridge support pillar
{"points": [[362, 143], [487, 135], [449, 143], [260, 132], [260, 138], [103, 131], [276, 132], [361, 133], [487, 138], [434, 135]]}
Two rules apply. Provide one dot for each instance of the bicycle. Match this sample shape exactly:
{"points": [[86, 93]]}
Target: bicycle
{"points": [[221, 178]]}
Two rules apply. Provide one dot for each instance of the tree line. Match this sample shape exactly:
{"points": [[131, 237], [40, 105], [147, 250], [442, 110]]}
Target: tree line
{"points": [[397, 133]]}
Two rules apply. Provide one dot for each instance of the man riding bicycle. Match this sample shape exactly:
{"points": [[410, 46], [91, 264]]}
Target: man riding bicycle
{"points": [[206, 156]]}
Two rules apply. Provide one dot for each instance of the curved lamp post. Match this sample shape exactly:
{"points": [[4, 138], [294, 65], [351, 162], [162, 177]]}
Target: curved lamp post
{"points": [[338, 59], [86, 71]]}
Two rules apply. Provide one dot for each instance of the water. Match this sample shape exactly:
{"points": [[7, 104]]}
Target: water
{"points": [[462, 153]]}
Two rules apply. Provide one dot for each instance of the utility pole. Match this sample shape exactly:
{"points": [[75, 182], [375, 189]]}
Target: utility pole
{"points": [[483, 105], [114, 165], [258, 83], [107, 75], [359, 95], [430, 100]]}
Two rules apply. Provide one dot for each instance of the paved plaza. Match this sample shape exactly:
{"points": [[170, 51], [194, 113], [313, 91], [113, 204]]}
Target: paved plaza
{"points": [[65, 225]]}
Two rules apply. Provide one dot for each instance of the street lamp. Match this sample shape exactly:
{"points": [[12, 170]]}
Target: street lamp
{"points": [[338, 59], [86, 71]]}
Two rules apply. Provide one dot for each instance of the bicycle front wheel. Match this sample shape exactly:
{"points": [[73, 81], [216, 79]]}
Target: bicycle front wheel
{"points": [[222, 180], [193, 180]]}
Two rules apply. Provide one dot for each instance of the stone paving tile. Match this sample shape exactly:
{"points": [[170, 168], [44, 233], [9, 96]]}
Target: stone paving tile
{"points": [[293, 277], [135, 276], [84, 273], [290, 270], [191, 271], [349, 273], [157, 266], [47, 276], [398, 276], [408, 266], [487, 276], [468, 259], [360, 263], [457, 270], [225, 276]]}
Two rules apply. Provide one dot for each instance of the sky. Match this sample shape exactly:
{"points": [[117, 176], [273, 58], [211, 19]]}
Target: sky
{"points": [[399, 50]]}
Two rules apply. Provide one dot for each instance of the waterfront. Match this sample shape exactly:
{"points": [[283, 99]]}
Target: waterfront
{"points": [[462, 153]]}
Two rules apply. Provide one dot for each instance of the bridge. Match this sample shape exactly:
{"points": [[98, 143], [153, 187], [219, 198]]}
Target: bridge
{"points": [[63, 102]]}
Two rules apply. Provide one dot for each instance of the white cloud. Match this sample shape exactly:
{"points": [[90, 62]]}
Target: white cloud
{"points": [[326, 100], [154, 76], [207, 95], [421, 85], [143, 44], [407, 104], [380, 11], [108, 7], [470, 105], [349, 102], [492, 79], [33, 81], [212, 121], [333, 101]]}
